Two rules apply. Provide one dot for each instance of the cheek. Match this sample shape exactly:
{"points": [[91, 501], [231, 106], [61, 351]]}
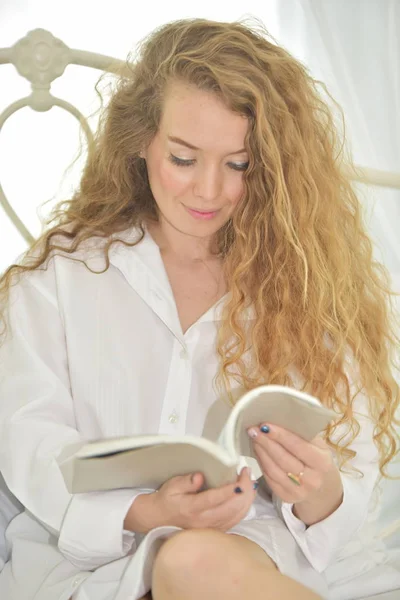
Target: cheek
{"points": [[173, 180], [235, 191]]}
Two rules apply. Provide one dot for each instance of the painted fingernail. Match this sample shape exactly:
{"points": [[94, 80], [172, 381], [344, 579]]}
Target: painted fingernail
{"points": [[255, 485], [252, 432], [238, 490], [265, 429]]}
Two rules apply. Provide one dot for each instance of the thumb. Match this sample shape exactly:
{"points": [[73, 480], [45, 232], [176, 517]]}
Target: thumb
{"points": [[195, 481]]}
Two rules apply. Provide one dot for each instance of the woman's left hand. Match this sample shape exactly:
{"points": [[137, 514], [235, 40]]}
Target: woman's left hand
{"points": [[299, 472]]}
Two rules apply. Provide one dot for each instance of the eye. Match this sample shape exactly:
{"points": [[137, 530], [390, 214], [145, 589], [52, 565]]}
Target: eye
{"points": [[239, 166], [180, 161]]}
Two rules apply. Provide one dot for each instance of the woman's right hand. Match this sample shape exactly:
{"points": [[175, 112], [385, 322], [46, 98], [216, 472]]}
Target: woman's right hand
{"points": [[178, 502]]}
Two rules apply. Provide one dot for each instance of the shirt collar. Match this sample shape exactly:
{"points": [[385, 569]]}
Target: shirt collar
{"points": [[147, 254]]}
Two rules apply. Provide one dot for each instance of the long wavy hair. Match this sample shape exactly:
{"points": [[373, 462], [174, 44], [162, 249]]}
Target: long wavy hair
{"points": [[295, 251]]}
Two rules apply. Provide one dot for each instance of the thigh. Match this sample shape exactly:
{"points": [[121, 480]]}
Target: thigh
{"points": [[252, 550], [194, 549]]}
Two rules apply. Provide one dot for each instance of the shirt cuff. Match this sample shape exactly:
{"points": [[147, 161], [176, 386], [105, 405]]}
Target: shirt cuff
{"points": [[92, 533], [294, 524], [322, 541]]}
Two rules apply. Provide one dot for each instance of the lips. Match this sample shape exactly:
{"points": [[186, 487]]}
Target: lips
{"points": [[204, 215], [203, 212]]}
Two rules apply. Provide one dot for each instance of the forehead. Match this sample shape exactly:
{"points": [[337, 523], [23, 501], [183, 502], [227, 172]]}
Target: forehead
{"points": [[202, 119]]}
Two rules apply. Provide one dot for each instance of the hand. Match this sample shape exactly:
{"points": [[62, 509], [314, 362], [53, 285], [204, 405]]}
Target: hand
{"points": [[298, 472], [179, 502]]}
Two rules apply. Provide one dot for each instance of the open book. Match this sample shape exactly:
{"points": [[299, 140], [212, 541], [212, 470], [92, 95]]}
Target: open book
{"points": [[147, 461]]}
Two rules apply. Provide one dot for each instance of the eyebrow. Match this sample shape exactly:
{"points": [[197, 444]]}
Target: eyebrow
{"points": [[183, 143]]}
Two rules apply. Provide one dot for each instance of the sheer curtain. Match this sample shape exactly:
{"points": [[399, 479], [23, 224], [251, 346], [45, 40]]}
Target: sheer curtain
{"points": [[353, 46]]}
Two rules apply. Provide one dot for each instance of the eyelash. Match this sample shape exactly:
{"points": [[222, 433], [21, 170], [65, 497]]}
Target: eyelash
{"points": [[180, 162]]}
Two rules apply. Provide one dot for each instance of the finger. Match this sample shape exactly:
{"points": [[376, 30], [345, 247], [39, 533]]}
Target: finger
{"points": [[282, 492], [245, 482], [230, 513], [214, 497], [281, 457], [183, 484], [308, 453], [237, 504], [279, 481], [197, 480]]}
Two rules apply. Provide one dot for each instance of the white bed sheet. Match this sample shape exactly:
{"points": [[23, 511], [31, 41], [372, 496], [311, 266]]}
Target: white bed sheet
{"points": [[389, 515], [9, 508]]}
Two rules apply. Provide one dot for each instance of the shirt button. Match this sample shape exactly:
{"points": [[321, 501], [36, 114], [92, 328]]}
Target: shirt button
{"points": [[184, 354], [173, 417]]}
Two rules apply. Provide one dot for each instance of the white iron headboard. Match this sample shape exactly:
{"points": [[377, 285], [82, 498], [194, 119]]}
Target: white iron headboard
{"points": [[41, 58]]}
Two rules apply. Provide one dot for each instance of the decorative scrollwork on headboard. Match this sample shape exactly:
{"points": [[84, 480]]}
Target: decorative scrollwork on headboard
{"points": [[41, 58]]}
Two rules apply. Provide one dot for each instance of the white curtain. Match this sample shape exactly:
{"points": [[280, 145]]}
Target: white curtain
{"points": [[353, 46]]}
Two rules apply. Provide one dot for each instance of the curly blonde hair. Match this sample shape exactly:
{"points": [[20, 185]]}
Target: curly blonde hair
{"points": [[295, 250]]}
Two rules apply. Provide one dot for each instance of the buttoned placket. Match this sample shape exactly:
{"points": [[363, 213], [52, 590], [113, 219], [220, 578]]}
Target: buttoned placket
{"points": [[177, 392], [146, 274], [144, 270], [79, 579]]}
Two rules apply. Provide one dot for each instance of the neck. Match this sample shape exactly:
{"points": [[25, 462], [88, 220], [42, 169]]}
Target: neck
{"points": [[184, 247]]}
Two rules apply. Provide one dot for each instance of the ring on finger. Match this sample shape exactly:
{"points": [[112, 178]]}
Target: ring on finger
{"points": [[296, 478]]}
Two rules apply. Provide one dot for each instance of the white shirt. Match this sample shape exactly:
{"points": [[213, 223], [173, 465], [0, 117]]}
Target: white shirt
{"points": [[101, 355]]}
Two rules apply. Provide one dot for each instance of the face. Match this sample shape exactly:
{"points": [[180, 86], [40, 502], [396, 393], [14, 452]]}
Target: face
{"points": [[196, 161]]}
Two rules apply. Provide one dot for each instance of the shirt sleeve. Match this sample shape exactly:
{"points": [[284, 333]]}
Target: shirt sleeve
{"points": [[322, 542], [37, 422]]}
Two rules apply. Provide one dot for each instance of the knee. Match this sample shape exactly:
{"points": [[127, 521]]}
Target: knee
{"points": [[195, 552]]}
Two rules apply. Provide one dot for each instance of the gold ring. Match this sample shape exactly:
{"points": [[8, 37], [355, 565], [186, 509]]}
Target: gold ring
{"points": [[296, 478]]}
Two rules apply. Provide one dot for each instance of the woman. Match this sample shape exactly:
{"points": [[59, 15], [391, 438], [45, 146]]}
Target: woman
{"points": [[213, 240]]}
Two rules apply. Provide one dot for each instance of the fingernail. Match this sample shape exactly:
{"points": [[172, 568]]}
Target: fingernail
{"points": [[265, 428], [255, 485], [252, 432], [238, 490]]}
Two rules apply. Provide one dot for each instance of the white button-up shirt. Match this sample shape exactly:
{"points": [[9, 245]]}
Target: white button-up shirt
{"points": [[101, 355]]}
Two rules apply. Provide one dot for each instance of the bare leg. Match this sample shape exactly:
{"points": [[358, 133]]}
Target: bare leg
{"points": [[198, 564]]}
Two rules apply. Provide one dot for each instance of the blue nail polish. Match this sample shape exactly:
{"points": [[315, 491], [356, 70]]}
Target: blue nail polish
{"points": [[238, 490], [255, 485], [265, 429]]}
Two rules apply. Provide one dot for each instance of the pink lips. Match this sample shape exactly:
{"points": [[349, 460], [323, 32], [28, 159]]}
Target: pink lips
{"points": [[199, 214]]}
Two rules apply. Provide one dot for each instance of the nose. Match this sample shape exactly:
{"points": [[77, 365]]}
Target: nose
{"points": [[208, 183]]}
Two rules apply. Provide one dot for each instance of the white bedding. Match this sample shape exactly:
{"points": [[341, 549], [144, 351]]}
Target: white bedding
{"points": [[9, 507], [388, 518]]}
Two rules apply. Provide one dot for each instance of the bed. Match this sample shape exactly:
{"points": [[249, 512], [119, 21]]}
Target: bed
{"points": [[40, 58]]}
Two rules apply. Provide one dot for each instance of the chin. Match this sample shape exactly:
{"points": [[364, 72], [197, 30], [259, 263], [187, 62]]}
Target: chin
{"points": [[202, 228]]}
